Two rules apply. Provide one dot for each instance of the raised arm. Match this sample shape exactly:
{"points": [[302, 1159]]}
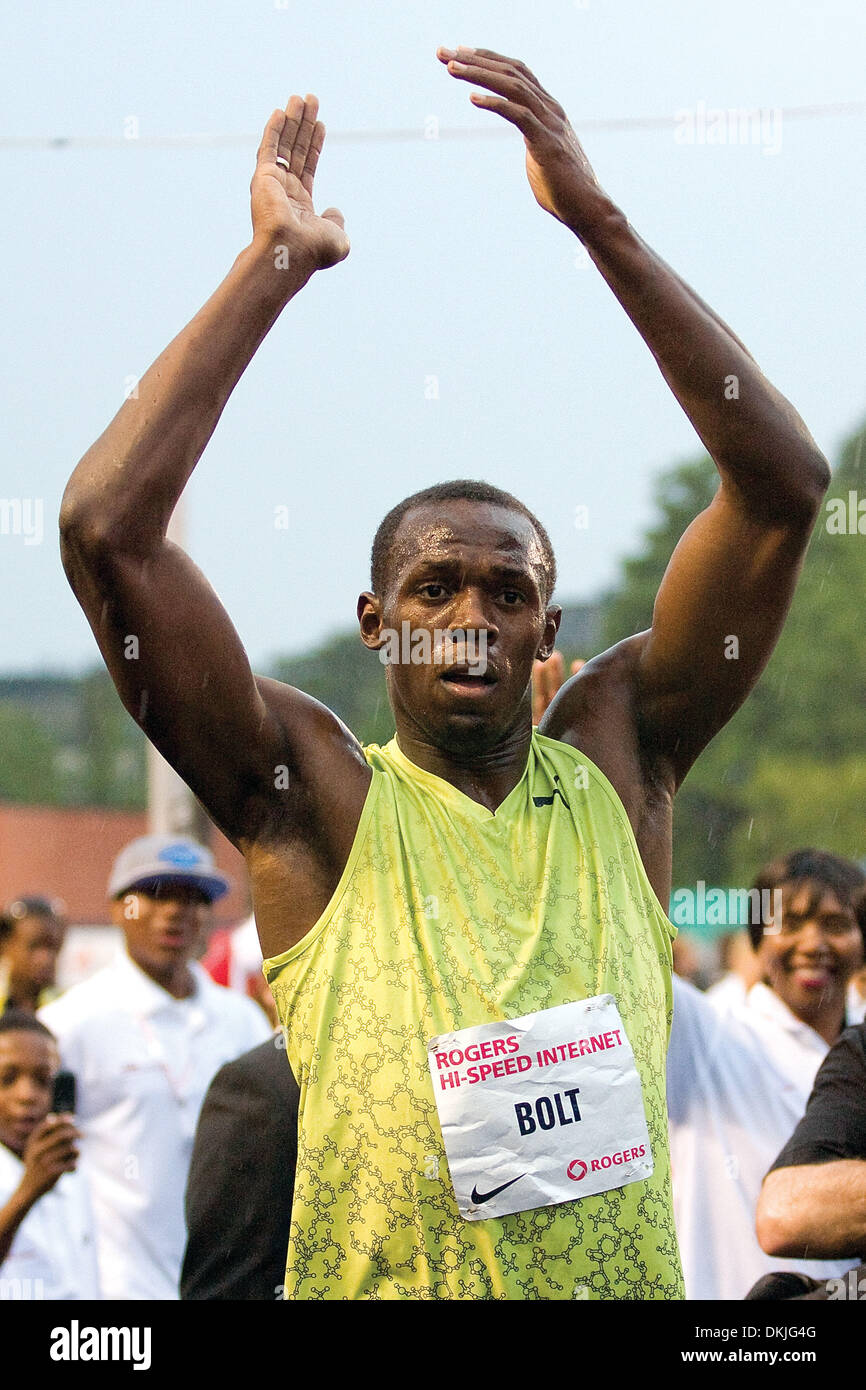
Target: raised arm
{"points": [[732, 576], [172, 651]]}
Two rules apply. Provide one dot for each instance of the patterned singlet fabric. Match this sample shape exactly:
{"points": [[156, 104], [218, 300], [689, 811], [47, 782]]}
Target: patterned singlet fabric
{"points": [[446, 916]]}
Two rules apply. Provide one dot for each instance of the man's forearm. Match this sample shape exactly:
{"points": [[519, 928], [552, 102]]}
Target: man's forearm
{"points": [[127, 484], [815, 1211], [754, 435]]}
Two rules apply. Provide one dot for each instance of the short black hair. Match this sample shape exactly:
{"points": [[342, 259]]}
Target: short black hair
{"points": [[461, 489], [49, 909], [20, 1021], [827, 871]]}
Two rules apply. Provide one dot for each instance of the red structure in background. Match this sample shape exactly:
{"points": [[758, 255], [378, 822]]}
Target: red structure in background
{"points": [[67, 853]]}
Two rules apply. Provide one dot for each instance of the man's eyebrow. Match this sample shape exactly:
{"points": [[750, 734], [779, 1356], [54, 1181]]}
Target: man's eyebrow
{"points": [[513, 572]]}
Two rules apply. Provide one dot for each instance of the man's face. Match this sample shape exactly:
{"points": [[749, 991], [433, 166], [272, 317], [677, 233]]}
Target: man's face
{"points": [[29, 1063], [477, 568], [163, 926], [31, 953], [810, 959]]}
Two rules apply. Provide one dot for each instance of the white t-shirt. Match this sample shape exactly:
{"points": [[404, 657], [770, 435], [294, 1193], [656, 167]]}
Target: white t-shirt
{"points": [[53, 1255], [143, 1061], [738, 1083], [727, 993]]}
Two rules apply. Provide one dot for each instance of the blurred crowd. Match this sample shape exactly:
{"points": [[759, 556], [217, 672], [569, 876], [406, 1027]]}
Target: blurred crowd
{"points": [[148, 1113]]}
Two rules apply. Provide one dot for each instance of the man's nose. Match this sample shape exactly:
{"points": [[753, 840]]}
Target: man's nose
{"points": [[470, 613]]}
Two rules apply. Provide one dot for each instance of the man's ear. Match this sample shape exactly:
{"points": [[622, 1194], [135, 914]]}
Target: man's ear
{"points": [[369, 610], [552, 619]]}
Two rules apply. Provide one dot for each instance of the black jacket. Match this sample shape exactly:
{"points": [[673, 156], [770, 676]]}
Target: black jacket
{"points": [[241, 1180]]}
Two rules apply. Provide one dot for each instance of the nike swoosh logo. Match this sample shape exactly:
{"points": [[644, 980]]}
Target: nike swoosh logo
{"points": [[479, 1197], [548, 800]]}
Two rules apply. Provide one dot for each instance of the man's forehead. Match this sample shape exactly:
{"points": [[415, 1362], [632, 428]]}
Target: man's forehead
{"points": [[441, 530]]}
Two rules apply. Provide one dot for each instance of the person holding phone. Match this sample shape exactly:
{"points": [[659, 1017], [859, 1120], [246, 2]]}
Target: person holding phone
{"points": [[47, 1237]]}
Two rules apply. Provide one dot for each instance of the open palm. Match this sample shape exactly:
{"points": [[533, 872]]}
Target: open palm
{"points": [[282, 187]]}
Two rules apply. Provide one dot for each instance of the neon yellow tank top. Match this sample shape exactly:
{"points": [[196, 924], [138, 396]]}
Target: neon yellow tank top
{"points": [[448, 915]]}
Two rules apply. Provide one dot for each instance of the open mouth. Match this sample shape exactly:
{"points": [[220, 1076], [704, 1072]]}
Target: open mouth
{"points": [[463, 679], [174, 939], [813, 976]]}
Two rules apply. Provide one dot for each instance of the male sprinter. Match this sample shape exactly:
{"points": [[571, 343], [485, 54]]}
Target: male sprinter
{"points": [[463, 927]]}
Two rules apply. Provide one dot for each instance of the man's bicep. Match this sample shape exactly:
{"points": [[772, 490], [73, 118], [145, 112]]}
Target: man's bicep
{"points": [[182, 673], [717, 616]]}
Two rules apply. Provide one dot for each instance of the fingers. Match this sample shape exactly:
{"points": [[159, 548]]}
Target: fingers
{"points": [[55, 1132], [485, 57], [547, 677], [501, 83], [303, 136], [295, 136], [517, 95], [316, 142], [270, 143]]}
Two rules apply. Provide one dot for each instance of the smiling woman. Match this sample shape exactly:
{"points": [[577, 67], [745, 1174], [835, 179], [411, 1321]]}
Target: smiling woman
{"points": [[815, 944]]}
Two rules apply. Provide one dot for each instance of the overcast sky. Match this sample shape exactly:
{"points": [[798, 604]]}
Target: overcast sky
{"points": [[465, 335]]}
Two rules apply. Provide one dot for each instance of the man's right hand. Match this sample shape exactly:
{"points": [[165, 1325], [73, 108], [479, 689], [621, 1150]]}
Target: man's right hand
{"points": [[282, 198], [50, 1152]]}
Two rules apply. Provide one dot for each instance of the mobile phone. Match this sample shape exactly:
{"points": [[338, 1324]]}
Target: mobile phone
{"points": [[63, 1101]]}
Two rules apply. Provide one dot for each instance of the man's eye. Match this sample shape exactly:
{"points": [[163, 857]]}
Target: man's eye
{"points": [[512, 597], [427, 588]]}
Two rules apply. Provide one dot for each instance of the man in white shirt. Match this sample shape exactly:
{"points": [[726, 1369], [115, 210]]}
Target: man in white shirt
{"points": [[47, 1236], [145, 1036], [738, 1080]]}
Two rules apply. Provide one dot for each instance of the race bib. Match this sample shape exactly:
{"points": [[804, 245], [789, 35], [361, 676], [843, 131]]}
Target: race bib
{"points": [[541, 1109]]}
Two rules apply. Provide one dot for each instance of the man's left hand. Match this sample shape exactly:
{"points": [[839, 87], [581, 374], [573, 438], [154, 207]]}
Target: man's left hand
{"points": [[559, 172]]}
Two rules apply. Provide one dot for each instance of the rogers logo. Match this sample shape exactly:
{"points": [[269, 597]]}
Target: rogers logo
{"points": [[576, 1169]]}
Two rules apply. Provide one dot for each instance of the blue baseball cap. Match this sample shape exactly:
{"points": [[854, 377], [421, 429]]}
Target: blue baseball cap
{"points": [[153, 860]]}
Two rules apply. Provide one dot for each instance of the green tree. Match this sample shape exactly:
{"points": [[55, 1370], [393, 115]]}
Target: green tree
{"points": [[790, 767], [113, 747], [349, 679], [29, 769]]}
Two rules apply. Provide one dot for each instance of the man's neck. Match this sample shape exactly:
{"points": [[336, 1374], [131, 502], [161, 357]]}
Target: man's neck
{"points": [[178, 980], [485, 776]]}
